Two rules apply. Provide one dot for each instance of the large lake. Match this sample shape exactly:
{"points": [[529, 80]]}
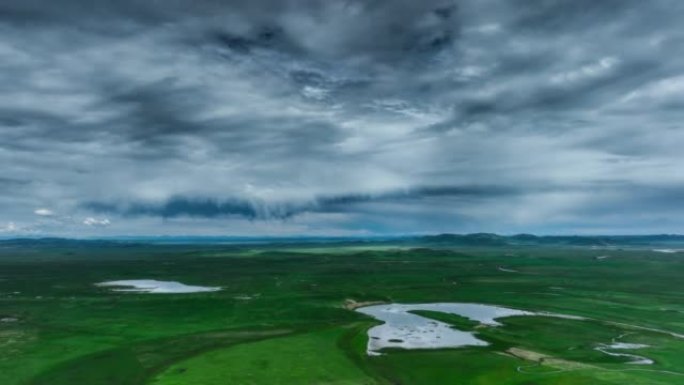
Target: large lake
{"points": [[402, 329]]}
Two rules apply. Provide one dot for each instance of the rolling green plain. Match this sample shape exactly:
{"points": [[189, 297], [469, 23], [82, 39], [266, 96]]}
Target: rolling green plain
{"points": [[284, 315]]}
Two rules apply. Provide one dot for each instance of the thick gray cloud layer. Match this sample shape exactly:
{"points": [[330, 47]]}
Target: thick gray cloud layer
{"points": [[333, 117]]}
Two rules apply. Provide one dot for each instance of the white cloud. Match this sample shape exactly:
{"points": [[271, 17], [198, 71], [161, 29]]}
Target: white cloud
{"points": [[316, 93], [90, 221], [599, 68], [487, 29], [661, 90], [44, 212], [9, 228]]}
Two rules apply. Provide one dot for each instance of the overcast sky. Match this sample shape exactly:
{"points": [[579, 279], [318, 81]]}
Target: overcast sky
{"points": [[275, 117]]}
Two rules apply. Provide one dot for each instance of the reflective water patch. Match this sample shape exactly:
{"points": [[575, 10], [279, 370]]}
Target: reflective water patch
{"points": [[154, 287]]}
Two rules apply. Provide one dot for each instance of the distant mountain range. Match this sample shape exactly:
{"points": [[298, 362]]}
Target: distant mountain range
{"points": [[469, 240], [489, 239]]}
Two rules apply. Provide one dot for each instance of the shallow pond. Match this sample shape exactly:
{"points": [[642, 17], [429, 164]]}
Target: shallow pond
{"points": [[155, 287], [667, 251]]}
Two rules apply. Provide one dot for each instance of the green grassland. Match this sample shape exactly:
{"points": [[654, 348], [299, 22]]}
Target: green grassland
{"points": [[311, 358], [280, 317]]}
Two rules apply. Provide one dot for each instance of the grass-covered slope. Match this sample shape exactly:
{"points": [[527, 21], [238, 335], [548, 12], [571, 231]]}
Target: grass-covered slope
{"points": [[311, 358]]}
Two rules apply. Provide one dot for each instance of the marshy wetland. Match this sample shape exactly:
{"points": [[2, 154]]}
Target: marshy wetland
{"points": [[297, 314]]}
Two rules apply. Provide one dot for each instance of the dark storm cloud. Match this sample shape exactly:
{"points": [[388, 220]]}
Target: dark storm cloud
{"points": [[552, 16], [337, 114], [196, 207], [212, 208], [8, 184]]}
